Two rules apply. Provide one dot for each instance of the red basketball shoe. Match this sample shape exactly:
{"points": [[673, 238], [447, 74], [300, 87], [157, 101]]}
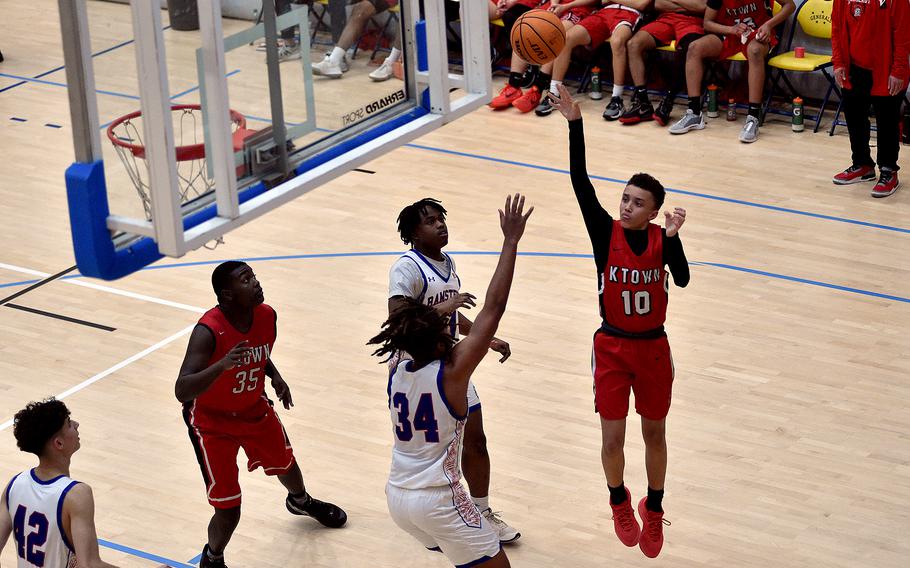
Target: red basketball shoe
{"points": [[854, 174], [624, 522], [652, 530], [505, 98], [887, 184], [528, 101]]}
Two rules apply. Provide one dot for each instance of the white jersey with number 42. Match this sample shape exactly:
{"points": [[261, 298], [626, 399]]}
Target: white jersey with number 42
{"points": [[36, 509]]}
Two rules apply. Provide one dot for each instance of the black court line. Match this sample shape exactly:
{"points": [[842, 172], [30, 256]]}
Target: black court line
{"points": [[38, 284], [61, 317], [363, 171]]}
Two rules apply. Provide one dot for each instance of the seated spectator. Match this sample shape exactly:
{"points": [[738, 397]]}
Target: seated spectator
{"points": [[733, 26], [679, 20], [617, 22], [570, 12], [336, 63]]}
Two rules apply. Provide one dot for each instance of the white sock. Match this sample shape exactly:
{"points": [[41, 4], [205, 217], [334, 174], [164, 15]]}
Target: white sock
{"points": [[393, 55], [483, 503], [337, 55], [554, 86], [617, 90]]}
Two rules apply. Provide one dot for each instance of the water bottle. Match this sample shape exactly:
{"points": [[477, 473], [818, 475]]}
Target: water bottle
{"points": [[731, 110], [797, 123], [596, 93], [712, 101]]}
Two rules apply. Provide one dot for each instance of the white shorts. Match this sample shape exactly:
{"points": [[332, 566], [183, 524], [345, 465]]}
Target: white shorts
{"points": [[473, 397], [447, 519]]}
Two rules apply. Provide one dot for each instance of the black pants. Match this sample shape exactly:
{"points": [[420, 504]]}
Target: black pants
{"points": [[283, 7], [887, 120]]}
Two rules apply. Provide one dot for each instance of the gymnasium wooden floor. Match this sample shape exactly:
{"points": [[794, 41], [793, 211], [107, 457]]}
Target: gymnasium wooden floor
{"points": [[788, 434]]}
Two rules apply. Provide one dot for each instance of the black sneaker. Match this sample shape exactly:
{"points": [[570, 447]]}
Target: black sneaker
{"points": [[637, 112], [545, 107], [530, 76], [614, 109], [207, 562], [662, 114], [327, 514]]}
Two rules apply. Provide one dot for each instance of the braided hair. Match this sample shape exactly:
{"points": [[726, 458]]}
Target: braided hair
{"points": [[409, 217], [417, 329]]}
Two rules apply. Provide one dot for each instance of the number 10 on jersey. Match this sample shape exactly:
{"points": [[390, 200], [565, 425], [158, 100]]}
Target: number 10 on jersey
{"points": [[640, 301]]}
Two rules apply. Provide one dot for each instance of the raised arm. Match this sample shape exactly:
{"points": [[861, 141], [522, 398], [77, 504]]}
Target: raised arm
{"points": [[674, 256], [597, 221], [79, 508], [196, 375], [471, 350]]}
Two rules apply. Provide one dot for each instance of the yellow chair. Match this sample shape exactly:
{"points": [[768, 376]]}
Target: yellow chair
{"points": [[813, 17]]}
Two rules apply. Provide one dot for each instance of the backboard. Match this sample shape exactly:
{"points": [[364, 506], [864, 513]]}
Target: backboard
{"points": [[182, 136]]}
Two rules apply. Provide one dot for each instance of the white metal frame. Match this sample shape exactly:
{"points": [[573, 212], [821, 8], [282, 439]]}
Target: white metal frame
{"points": [[167, 226]]}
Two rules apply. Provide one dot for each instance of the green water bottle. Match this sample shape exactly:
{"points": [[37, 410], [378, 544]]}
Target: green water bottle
{"points": [[797, 123], [596, 93], [712, 101]]}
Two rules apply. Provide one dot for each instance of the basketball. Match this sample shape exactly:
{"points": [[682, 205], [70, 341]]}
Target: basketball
{"points": [[538, 36]]}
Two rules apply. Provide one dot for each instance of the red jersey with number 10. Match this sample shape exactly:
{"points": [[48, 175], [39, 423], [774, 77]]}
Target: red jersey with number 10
{"points": [[238, 392], [633, 288]]}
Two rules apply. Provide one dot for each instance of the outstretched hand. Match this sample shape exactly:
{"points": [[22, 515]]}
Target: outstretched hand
{"points": [[512, 220], [565, 103], [673, 222]]}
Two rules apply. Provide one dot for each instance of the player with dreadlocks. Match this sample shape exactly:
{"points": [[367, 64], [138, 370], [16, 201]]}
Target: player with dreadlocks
{"points": [[427, 274], [429, 408]]}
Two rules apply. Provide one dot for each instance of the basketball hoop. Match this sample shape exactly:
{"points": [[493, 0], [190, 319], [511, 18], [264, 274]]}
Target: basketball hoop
{"points": [[194, 180]]}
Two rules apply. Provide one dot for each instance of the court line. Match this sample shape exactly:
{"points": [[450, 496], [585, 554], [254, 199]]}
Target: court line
{"points": [[670, 190], [38, 284], [550, 169], [143, 554], [109, 289], [62, 67], [747, 270], [59, 317], [95, 378]]}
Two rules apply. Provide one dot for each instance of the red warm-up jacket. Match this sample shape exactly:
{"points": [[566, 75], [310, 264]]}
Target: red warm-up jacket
{"points": [[878, 28]]}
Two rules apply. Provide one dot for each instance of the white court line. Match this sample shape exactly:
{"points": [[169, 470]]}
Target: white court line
{"points": [[103, 288], [115, 368]]}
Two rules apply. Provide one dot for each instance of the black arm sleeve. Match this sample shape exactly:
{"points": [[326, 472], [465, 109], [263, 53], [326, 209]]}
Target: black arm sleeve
{"points": [[675, 258], [598, 222]]}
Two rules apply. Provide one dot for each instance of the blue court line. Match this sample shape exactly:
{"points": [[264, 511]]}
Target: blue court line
{"points": [[753, 271], [143, 554], [670, 190], [58, 84], [623, 182], [196, 88], [62, 67], [195, 559]]}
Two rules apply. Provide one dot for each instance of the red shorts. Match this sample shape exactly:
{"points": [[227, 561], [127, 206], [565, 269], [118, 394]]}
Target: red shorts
{"points": [[572, 15], [670, 26], [602, 23], [733, 44], [643, 366], [263, 439]]}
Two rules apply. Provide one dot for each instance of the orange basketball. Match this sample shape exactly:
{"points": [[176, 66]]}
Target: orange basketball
{"points": [[538, 36]]}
